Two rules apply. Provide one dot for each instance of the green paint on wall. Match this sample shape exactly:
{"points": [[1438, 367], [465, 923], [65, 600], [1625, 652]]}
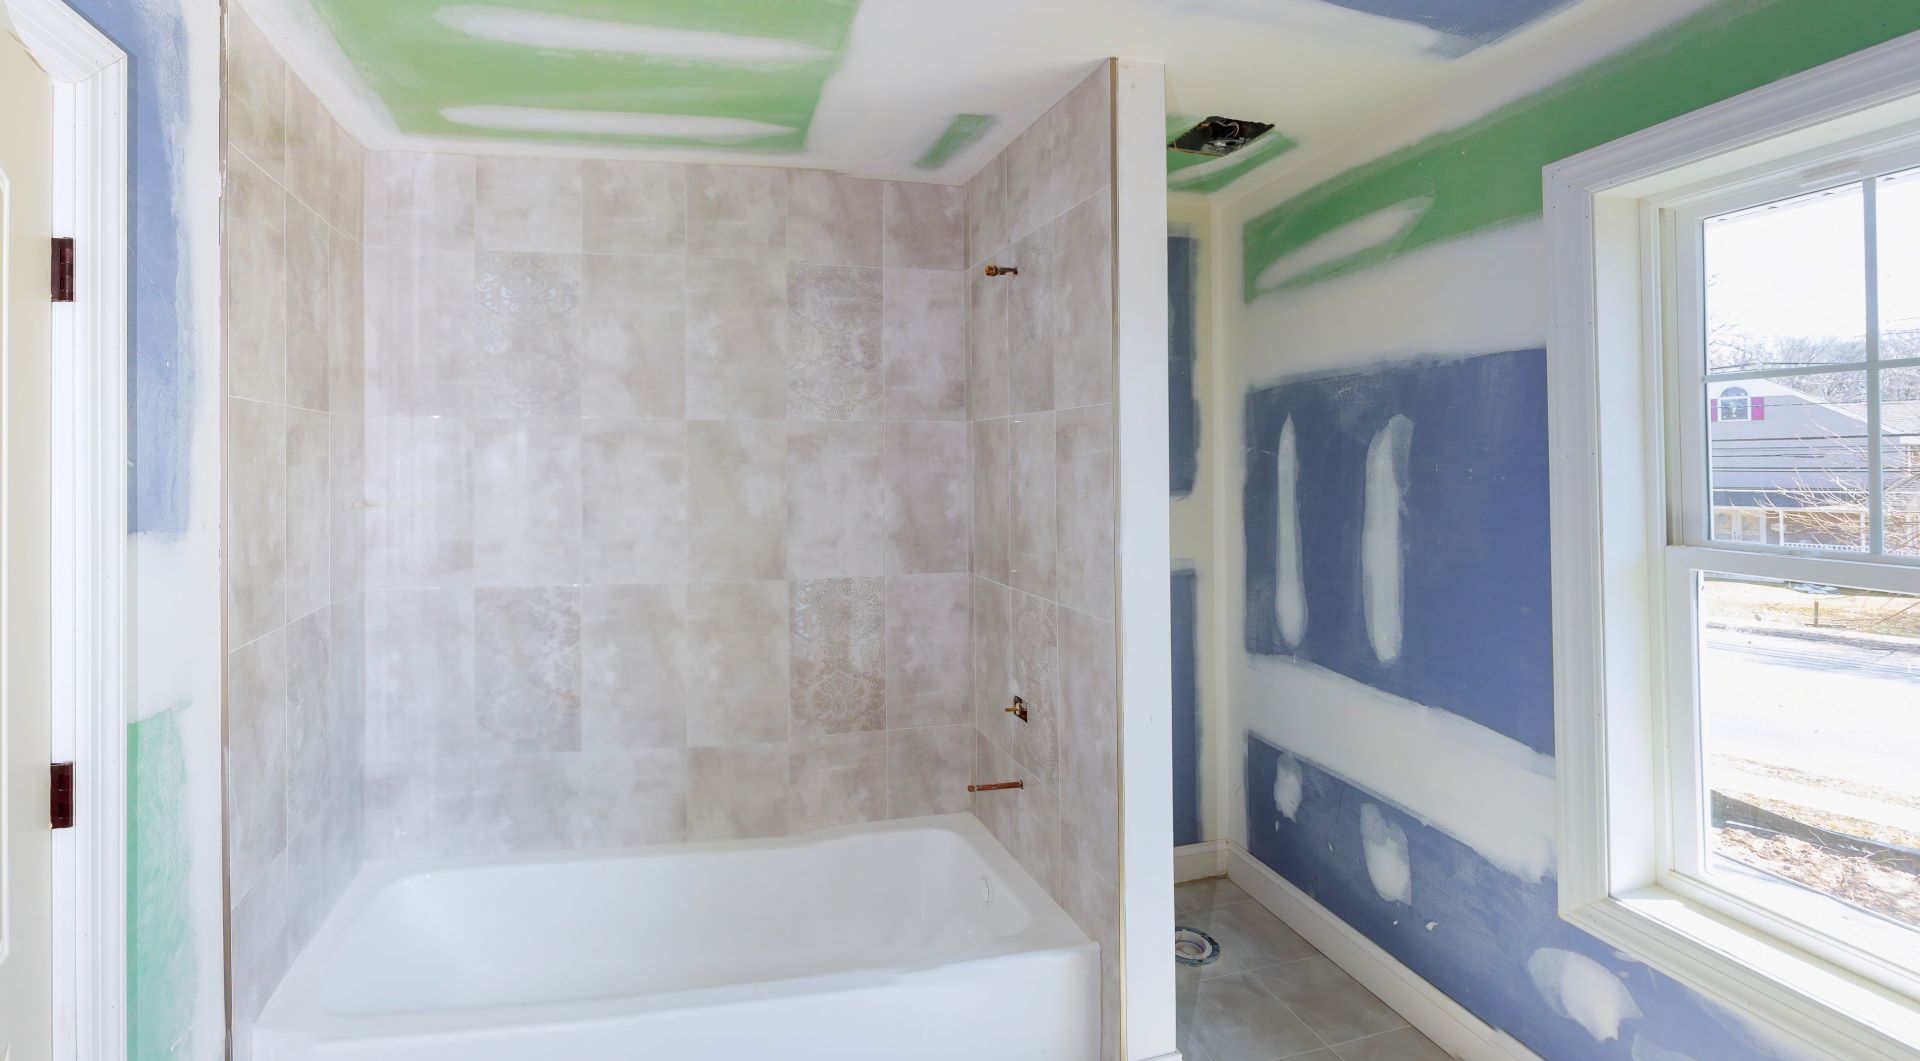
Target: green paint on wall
{"points": [[161, 964], [961, 133], [418, 67], [1219, 172], [1487, 173]]}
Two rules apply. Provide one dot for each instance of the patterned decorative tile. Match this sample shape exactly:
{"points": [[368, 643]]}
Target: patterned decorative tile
{"points": [[834, 369], [839, 677], [529, 353]]}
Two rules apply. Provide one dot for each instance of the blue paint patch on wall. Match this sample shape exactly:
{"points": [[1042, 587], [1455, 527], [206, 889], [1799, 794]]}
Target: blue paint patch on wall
{"points": [[1477, 639], [1186, 707], [1474, 21], [1486, 924], [1183, 405], [161, 333]]}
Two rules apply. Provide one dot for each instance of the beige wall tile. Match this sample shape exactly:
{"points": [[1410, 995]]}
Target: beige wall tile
{"points": [[309, 541], [255, 288], [837, 500], [832, 219], [1031, 538], [736, 339], [924, 344], [736, 212], [526, 502], [928, 770], [1083, 306], [738, 642], [256, 757], [256, 96], [419, 481], [635, 207], [256, 519], [926, 226], [837, 780], [987, 212], [927, 663], [529, 204], [420, 201], [1084, 480], [927, 498], [992, 483], [737, 499], [633, 337], [737, 793], [634, 667], [634, 501]]}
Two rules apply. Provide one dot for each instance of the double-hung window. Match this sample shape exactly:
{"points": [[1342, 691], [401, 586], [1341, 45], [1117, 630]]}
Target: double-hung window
{"points": [[1735, 370]]}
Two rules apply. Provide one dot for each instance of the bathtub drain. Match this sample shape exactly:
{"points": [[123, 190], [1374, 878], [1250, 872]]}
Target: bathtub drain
{"points": [[1194, 947]]}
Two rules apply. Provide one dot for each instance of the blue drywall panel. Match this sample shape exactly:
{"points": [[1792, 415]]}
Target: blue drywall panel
{"points": [[1475, 594]]}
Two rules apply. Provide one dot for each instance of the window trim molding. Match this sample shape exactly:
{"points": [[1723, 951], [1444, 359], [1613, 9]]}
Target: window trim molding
{"points": [[1607, 428]]}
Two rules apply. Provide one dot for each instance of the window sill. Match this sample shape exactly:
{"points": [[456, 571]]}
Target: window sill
{"points": [[1825, 1009]]}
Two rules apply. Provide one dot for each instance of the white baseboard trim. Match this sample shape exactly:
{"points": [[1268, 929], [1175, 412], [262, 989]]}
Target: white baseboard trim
{"points": [[1438, 1017], [1208, 858]]}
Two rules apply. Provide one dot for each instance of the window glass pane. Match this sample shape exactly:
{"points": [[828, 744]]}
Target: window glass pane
{"points": [[1788, 455], [1900, 458], [1898, 211], [1786, 284], [1810, 727]]}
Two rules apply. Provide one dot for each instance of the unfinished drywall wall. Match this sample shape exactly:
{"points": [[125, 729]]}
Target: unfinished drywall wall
{"points": [[1391, 677], [175, 1001]]}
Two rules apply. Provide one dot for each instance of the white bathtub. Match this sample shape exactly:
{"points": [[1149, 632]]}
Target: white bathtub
{"points": [[919, 939]]}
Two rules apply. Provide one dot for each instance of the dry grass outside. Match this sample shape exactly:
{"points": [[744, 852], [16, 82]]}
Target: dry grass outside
{"points": [[1854, 879], [1766, 602]]}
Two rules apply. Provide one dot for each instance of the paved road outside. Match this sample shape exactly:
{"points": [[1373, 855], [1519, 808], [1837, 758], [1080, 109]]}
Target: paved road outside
{"points": [[1829, 709]]}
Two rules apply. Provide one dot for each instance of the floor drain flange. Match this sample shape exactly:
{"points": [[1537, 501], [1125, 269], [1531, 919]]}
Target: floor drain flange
{"points": [[1194, 947]]}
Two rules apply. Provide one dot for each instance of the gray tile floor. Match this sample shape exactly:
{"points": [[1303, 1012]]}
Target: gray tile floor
{"points": [[1272, 996]]}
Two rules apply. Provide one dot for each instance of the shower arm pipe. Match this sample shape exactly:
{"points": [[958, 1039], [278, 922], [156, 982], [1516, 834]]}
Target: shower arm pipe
{"points": [[996, 786]]}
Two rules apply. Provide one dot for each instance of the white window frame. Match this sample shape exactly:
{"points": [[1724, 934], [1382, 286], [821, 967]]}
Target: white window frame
{"points": [[1618, 540]]}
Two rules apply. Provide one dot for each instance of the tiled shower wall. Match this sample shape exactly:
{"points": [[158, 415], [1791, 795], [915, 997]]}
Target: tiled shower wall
{"points": [[294, 534], [668, 518], [1040, 396]]}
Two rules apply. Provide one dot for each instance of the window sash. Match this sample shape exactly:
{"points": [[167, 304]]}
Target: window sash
{"points": [[1852, 938], [1688, 379]]}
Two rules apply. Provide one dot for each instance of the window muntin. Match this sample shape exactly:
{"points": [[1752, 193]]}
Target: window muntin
{"points": [[1795, 376]]}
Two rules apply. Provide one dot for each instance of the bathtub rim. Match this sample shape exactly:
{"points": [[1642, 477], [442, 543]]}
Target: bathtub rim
{"points": [[296, 1007]]}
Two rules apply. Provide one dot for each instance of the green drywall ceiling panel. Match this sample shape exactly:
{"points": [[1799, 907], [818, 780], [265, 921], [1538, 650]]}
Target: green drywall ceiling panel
{"points": [[1487, 173], [417, 66], [161, 976], [961, 133]]}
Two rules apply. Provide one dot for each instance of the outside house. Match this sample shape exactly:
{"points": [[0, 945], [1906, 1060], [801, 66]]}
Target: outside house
{"points": [[1790, 467]]}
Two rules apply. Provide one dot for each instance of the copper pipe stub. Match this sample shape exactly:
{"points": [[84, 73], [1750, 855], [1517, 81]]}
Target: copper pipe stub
{"points": [[1018, 707], [1003, 270], [996, 786]]}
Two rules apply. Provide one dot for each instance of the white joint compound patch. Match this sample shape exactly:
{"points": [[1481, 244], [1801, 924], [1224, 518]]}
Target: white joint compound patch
{"points": [[1290, 595], [612, 123], [539, 29], [1583, 991], [1287, 789], [1380, 552], [1645, 1049], [1383, 226], [1388, 864]]}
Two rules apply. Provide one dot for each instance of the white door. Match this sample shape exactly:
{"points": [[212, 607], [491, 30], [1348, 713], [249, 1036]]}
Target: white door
{"points": [[26, 891]]}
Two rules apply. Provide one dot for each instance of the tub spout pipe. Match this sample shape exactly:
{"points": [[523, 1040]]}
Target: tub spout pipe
{"points": [[996, 786]]}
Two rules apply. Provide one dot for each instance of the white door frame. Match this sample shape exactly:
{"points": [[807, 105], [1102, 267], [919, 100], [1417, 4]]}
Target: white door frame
{"points": [[90, 676]]}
